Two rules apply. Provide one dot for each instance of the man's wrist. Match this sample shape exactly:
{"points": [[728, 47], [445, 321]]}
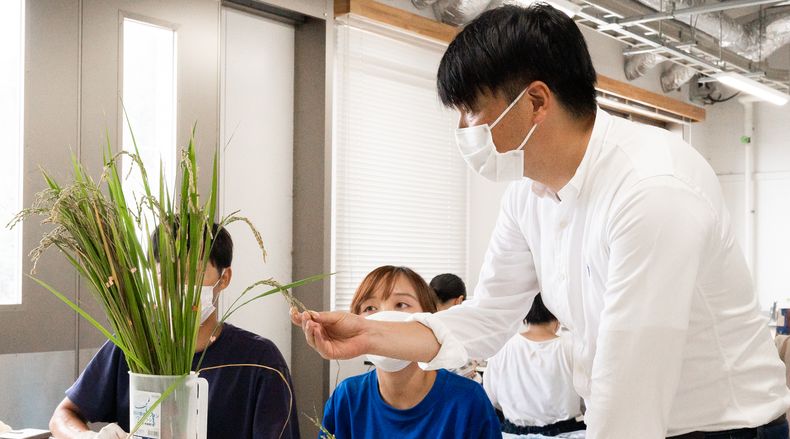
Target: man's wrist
{"points": [[374, 331]]}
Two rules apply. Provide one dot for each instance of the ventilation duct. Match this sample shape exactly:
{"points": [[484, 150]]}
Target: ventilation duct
{"points": [[421, 4], [755, 40], [676, 76], [637, 65], [747, 40], [455, 12]]}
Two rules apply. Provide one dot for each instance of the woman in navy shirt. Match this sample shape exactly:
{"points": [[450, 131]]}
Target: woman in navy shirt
{"points": [[405, 401]]}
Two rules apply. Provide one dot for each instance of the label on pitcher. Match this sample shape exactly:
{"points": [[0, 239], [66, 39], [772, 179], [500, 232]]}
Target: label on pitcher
{"points": [[152, 426]]}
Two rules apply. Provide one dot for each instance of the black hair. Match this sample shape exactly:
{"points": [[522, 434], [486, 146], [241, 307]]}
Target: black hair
{"points": [[221, 255], [538, 314], [448, 286], [506, 48]]}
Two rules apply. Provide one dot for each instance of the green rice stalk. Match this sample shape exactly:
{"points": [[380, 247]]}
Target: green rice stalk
{"points": [[153, 309], [323, 432]]}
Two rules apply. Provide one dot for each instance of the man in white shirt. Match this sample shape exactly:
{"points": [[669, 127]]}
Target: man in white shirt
{"points": [[622, 227]]}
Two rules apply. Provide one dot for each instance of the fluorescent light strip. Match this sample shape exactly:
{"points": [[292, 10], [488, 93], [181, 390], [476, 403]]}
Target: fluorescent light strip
{"points": [[752, 87]]}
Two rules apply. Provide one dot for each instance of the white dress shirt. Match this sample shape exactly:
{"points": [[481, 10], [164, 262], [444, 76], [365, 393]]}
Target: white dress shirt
{"points": [[532, 381], [637, 257]]}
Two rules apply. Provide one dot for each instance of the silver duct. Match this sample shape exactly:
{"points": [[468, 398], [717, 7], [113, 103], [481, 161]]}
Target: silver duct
{"points": [[456, 12], [746, 40], [676, 76], [421, 4], [775, 35], [637, 65], [749, 40]]}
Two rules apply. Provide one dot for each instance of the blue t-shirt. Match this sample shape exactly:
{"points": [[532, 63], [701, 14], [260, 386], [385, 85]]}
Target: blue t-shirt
{"points": [[455, 407], [243, 402]]}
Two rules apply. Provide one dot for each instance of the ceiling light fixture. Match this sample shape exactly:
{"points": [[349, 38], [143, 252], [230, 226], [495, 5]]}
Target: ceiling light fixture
{"points": [[752, 87]]}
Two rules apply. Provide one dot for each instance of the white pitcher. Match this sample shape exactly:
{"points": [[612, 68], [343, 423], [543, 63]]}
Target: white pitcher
{"points": [[182, 415]]}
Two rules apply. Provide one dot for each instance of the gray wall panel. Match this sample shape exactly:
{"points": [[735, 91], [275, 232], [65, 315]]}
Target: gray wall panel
{"points": [[312, 205], [33, 384]]}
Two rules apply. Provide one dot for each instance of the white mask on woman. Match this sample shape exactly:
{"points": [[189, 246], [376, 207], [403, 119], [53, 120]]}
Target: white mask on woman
{"points": [[479, 152], [384, 363], [207, 305]]}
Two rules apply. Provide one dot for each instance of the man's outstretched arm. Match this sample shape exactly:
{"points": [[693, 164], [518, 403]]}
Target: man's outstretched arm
{"points": [[341, 335]]}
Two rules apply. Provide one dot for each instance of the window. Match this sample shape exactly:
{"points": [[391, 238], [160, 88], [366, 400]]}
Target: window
{"points": [[12, 61], [400, 186], [149, 98]]}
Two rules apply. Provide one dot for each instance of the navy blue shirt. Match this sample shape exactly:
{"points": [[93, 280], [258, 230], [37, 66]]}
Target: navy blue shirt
{"points": [[455, 407], [243, 402]]}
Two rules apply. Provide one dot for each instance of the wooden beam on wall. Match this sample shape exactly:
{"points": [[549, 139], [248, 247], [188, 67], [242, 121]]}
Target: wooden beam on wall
{"points": [[398, 18], [401, 19], [662, 102]]}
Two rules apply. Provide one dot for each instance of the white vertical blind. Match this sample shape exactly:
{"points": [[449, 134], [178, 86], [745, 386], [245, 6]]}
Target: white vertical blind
{"points": [[400, 186], [12, 13]]}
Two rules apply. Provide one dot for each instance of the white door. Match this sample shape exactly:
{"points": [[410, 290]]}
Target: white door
{"points": [[256, 131]]}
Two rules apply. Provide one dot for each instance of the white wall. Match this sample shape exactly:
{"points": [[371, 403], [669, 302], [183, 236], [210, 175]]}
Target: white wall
{"points": [[484, 201], [718, 139], [257, 164]]}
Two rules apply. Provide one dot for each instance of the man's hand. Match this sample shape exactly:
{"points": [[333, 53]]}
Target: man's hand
{"points": [[341, 335], [335, 335], [111, 431]]}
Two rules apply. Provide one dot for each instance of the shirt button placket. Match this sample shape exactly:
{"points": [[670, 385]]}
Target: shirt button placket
{"points": [[560, 256]]}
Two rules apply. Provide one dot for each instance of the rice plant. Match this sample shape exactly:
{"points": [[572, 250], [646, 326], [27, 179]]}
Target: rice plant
{"points": [[153, 308]]}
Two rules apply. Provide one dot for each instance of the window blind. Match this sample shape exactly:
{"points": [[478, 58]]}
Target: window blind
{"points": [[399, 184]]}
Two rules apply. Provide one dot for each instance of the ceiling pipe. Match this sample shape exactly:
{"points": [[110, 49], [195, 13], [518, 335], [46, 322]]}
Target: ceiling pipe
{"points": [[748, 180], [747, 40], [693, 10], [755, 40]]}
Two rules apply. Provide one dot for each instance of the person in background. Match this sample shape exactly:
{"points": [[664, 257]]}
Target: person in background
{"points": [[398, 399], [531, 379], [244, 402], [450, 290]]}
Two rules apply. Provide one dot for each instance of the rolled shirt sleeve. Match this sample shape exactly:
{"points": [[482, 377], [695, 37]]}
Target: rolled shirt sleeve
{"points": [[479, 327], [656, 254]]}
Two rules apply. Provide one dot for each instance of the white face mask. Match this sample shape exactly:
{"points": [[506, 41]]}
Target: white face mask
{"points": [[478, 150], [384, 363], [207, 299]]}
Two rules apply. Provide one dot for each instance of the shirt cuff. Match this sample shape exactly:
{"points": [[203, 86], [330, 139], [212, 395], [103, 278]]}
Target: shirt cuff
{"points": [[452, 353]]}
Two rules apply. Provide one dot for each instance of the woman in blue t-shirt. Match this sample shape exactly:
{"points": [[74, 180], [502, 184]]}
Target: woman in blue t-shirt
{"points": [[398, 399]]}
